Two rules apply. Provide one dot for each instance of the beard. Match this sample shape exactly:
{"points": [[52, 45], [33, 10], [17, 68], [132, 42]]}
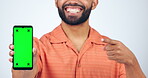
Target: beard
{"points": [[74, 20]]}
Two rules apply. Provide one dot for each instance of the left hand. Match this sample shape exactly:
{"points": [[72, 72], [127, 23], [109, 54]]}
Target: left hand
{"points": [[117, 51]]}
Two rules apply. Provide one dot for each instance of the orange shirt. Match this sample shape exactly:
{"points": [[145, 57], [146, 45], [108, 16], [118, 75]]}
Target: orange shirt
{"points": [[57, 57]]}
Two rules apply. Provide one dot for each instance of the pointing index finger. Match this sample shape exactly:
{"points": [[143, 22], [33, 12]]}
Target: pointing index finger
{"points": [[109, 41]]}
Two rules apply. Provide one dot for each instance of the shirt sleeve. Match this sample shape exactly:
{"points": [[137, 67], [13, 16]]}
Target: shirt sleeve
{"points": [[122, 71]]}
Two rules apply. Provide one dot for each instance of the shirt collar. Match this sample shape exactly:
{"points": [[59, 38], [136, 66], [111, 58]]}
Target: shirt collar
{"points": [[95, 37], [58, 36]]}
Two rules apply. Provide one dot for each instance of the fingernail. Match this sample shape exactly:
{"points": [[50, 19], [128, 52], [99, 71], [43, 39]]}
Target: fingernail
{"points": [[34, 49], [11, 46], [11, 52], [102, 39]]}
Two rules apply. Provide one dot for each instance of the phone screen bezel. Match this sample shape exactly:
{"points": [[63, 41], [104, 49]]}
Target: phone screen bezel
{"points": [[23, 68]]}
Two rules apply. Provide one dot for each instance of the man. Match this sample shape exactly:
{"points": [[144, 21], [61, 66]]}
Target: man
{"points": [[75, 50]]}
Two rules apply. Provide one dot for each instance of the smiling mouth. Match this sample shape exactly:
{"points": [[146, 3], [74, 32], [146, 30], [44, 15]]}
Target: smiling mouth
{"points": [[73, 9]]}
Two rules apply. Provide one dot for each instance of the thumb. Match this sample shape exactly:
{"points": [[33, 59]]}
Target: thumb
{"points": [[109, 41], [34, 51], [34, 56], [106, 40]]}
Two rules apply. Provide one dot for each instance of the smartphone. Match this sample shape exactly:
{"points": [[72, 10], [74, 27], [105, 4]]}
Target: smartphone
{"points": [[23, 45]]}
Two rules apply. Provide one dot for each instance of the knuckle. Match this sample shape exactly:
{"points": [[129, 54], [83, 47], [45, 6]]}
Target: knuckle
{"points": [[10, 46], [118, 47], [118, 42], [118, 52], [120, 61], [10, 53], [112, 57], [108, 53], [115, 57], [106, 47]]}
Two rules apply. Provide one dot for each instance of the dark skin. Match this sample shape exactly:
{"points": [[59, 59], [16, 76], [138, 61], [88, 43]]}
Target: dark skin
{"points": [[24, 73], [115, 50]]}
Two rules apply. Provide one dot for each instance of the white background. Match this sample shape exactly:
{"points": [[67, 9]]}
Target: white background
{"points": [[124, 20]]}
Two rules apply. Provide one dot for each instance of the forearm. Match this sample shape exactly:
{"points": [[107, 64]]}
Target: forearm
{"points": [[134, 70]]}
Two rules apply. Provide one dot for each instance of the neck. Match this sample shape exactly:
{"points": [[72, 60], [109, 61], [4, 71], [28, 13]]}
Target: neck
{"points": [[77, 34], [76, 31]]}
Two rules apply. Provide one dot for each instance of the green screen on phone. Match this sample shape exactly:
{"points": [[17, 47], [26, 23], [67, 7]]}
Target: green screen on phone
{"points": [[23, 44]]}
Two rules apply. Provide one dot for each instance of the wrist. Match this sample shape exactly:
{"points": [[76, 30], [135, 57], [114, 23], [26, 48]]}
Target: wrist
{"points": [[132, 61], [133, 69]]}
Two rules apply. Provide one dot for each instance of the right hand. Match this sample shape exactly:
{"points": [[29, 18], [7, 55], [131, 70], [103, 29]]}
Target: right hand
{"points": [[24, 73]]}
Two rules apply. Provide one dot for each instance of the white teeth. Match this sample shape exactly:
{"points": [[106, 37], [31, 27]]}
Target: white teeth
{"points": [[73, 10]]}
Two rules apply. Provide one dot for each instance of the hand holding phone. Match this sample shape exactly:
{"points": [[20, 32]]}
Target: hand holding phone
{"points": [[23, 73]]}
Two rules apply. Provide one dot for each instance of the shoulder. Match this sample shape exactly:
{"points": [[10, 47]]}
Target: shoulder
{"points": [[95, 32], [44, 39]]}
